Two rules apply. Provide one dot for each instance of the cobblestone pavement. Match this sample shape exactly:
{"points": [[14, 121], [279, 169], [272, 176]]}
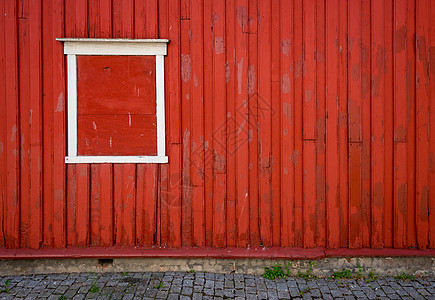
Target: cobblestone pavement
{"points": [[198, 285]]}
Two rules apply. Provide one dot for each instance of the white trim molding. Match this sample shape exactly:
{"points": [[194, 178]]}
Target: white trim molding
{"points": [[153, 47]]}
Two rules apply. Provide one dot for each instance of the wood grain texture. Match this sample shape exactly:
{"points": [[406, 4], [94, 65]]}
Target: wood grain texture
{"points": [[290, 124]]}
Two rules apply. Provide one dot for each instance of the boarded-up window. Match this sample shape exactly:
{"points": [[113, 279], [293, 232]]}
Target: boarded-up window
{"points": [[115, 100]]}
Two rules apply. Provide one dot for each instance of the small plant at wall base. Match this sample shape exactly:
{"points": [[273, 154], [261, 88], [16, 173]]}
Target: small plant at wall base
{"points": [[277, 271], [6, 289], [405, 276]]}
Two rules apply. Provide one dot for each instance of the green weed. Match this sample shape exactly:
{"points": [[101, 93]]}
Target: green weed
{"points": [[6, 289], [277, 271], [405, 276]]}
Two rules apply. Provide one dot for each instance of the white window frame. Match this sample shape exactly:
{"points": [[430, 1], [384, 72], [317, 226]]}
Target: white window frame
{"points": [[153, 47]]}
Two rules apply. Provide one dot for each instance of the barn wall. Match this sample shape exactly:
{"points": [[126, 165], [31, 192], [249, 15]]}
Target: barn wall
{"points": [[289, 123]]}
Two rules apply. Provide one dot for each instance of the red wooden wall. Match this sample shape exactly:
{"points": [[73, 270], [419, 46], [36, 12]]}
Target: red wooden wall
{"points": [[289, 123]]}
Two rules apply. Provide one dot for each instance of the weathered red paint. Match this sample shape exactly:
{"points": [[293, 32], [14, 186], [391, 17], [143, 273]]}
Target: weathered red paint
{"points": [[289, 125]]}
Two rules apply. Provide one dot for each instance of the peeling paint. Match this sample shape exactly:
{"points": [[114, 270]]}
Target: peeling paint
{"points": [[60, 103], [14, 132], [285, 83], [186, 67], [219, 45], [251, 79], [227, 72], [285, 47], [239, 75], [242, 16]]}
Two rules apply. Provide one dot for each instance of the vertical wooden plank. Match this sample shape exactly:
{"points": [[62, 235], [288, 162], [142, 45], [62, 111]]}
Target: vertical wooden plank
{"points": [[298, 119], [100, 18], [24, 37], [71, 211], [146, 209], [320, 124], [197, 167], [264, 121], [355, 15], [105, 182], [100, 26], [185, 9], [123, 19], [164, 169], [378, 65], [432, 128], [146, 19], [343, 129], [422, 121], [3, 122], [309, 122], [365, 124], [252, 84], [12, 204], [219, 125], [275, 156], [83, 205], [400, 125], [231, 146], [332, 142], [125, 204], [186, 129], [35, 122], [241, 129], [389, 124], [164, 197], [208, 122], [287, 124], [410, 102], [48, 119]]}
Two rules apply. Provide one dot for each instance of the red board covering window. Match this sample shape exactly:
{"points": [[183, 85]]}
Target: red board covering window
{"points": [[116, 105]]}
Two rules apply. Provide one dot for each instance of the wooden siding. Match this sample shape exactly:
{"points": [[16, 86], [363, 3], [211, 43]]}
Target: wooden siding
{"points": [[289, 124]]}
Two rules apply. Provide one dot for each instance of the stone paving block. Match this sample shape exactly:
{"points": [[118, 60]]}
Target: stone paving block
{"points": [[187, 291], [283, 295], [173, 296]]}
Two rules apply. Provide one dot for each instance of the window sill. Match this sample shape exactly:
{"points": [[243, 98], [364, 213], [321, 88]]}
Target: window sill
{"points": [[116, 159]]}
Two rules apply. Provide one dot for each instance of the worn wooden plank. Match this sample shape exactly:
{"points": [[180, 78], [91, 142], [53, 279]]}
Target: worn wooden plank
{"points": [[400, 125], [11, 204], [100, 18], [309, 198], [231, 146], [343, 129], [24, 37], [35, 122], [297, 154], [59, 132], [377, 175], [146, 19], [332, 142], [146, 208], [219, 126], [320, 124], [422, 122], [389, 124], [174, 196], [287, 124], [252, 84], [275, 157], [365, 123], [208, 122], [197, 98], [3, 122], [411, 113], [241, 130], [264, 121], [309, 71], [124, 204], [123, 19], [355, 125], [432, 128], [186, 129]]}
